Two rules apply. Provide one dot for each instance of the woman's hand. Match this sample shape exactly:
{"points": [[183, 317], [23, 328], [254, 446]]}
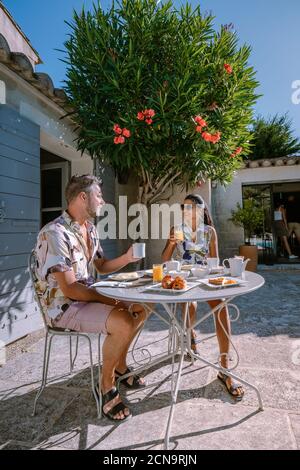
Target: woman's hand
{"points": [[173, 240]]}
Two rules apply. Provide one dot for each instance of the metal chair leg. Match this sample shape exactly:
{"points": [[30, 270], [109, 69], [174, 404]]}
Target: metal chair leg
{"points": [[72, 361], [98, 400], [99, 375], [47, 350]]}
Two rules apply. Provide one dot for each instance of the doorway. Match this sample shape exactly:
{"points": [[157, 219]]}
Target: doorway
{"points": [[270, 247]]}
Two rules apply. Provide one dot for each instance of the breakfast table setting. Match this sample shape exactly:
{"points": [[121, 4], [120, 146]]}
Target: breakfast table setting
{"points": [[172, 284]]}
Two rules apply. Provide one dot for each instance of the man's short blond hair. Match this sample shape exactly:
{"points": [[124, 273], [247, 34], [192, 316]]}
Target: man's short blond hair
{"points": [[80, 183]]}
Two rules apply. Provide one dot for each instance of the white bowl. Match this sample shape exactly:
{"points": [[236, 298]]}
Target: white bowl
{"points": [[200, 273]]}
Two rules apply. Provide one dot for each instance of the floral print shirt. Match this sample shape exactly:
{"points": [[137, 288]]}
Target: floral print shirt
{"points": [[194, 249], [61, 247]]}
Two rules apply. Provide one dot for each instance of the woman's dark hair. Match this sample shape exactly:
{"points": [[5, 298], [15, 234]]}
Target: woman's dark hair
{"points": [[197, 199]]}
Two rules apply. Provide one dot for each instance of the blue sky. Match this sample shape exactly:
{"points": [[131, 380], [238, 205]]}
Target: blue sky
{"points": [[271, 27]]}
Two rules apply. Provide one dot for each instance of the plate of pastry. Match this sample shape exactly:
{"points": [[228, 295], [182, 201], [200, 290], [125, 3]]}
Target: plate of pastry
{"points": [[220, 282], [171, 285]]}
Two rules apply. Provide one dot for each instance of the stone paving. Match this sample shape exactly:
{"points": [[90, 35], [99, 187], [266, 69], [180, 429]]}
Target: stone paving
{"points": [[267, 337]]}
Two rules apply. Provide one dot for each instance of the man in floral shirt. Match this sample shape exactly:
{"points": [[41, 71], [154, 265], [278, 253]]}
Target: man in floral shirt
{"points": [[67, 251]]}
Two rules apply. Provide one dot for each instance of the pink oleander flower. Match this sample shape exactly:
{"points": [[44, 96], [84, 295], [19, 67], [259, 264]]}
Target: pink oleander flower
{"points": [[126, 132], [149, 113], [140, 116], [117, 129], [119, 140]]}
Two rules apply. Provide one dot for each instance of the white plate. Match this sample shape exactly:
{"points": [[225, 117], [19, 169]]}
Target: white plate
{"points": [[109, 283], [159, 288], [124, 277], [238, 282]]}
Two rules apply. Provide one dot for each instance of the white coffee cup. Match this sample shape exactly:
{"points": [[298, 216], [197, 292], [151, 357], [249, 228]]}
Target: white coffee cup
{"points": [[139, 250], [172, 265], [212, 263]]}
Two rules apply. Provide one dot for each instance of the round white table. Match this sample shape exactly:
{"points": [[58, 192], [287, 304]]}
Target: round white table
{"points": [[180, 334]]}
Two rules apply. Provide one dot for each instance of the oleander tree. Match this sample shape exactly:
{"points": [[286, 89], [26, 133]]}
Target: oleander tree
{"points": [[157, 91]]}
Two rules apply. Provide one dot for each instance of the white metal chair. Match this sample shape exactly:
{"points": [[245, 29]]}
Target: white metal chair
{"points": [[53, 331]]}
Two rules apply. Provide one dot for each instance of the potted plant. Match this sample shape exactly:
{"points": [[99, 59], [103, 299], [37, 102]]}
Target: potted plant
{"points": [[250, 217]]}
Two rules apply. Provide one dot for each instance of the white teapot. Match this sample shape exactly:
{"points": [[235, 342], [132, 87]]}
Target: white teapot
{"points": [[237, 265]]}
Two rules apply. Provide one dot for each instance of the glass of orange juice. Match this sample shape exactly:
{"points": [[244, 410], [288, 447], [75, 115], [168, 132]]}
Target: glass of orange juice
{"points": [[178, 233], [158, 273]]}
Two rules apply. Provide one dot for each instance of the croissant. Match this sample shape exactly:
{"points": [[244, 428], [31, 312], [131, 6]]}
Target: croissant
{"points": [[179, 283]]}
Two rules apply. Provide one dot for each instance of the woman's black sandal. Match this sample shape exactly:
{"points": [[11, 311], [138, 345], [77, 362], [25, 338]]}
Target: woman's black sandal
{"points": [[135, 382], [232, 389], [109, 396]]}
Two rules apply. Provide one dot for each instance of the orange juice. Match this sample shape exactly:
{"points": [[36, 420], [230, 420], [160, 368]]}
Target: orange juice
{"points": [[178, 233], [158, 273]]}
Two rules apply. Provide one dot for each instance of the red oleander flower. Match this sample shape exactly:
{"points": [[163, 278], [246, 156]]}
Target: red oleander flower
{"points": [[117, 129], [140, 116], [116, 140], [200, 121], [206, 136], [228, 68], [237, 152], [149, 121], [198, 129], [216, 137], [126, 132]]}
